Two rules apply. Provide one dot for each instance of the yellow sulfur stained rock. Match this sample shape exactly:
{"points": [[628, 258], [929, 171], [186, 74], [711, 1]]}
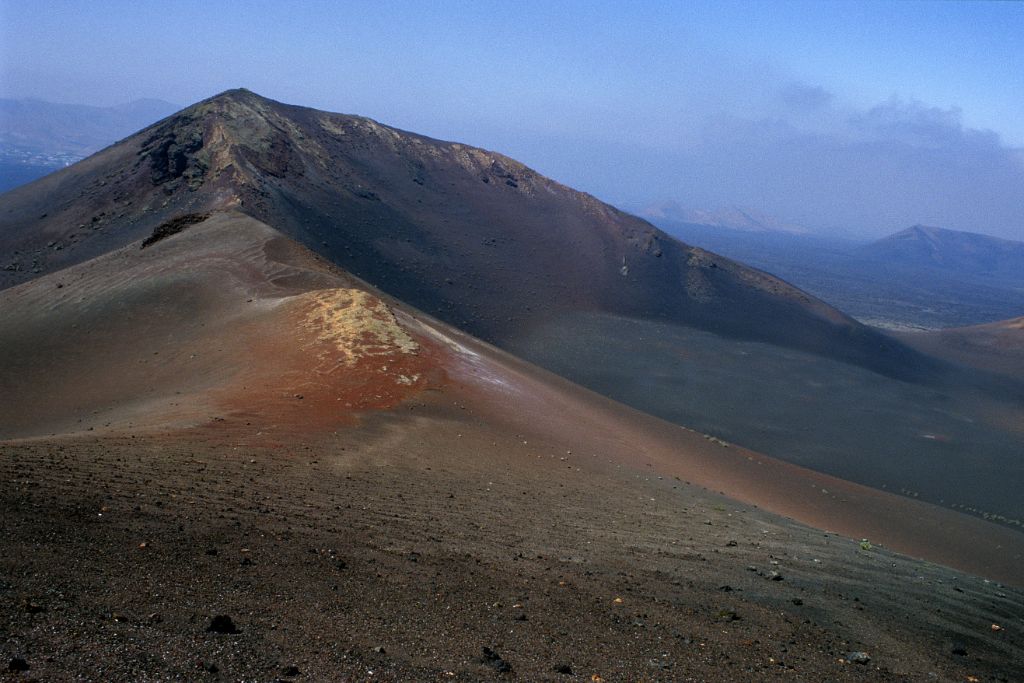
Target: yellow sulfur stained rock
{"points": [[356, 324]]}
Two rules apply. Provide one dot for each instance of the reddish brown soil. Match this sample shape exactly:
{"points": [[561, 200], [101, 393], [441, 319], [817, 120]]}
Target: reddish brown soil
{"points": [[383, 510], [431, 533], [297, 378]]}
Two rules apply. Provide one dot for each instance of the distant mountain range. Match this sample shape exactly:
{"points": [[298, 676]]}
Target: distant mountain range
{"points": [[730, 218], [38, 137], [952, 250], [52, 128], [919, 277]]}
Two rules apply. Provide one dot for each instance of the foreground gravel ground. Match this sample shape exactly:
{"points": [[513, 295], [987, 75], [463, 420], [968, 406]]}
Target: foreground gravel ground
{"points": [[436, 548]]}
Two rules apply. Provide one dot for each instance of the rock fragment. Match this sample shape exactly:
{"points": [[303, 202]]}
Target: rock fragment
{"points": [[494, 660], [223, 624]]}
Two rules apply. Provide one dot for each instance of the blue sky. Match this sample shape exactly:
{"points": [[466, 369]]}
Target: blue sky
{"points": [[859, 118]]}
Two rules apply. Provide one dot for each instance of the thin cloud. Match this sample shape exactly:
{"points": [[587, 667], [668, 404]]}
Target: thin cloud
{"points": [[865, 171]]}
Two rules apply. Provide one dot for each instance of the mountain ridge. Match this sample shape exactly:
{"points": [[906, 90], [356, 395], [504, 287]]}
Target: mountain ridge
{"points": [[951, 250], [471, 236]]}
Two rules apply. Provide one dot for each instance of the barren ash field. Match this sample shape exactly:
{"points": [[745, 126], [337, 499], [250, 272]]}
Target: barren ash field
{"points": [[259, 421], [400, 549]]}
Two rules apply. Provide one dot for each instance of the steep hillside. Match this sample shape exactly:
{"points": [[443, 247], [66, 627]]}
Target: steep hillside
{"points": [[226, 331], [225, 320], [227, 458], [470, 236]]}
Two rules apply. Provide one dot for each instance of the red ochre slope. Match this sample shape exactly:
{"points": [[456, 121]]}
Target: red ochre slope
{"points": [[223, 320], [229, 331]]}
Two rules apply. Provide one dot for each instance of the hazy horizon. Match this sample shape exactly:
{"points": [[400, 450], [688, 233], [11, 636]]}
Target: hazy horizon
{"points": [[852, 119]]}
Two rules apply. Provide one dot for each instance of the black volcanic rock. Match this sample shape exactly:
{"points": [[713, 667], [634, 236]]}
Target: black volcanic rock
{"points": [[222, 624], [17, 665], [470, 236], [173, 227], [495, 661]]}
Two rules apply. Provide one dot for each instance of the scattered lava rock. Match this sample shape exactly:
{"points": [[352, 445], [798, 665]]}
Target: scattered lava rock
{"points": [[17, 665], [290, 671], [33, 607], [563, 669], [494, 660], [858, 657], [728, 615], [222, 623]]}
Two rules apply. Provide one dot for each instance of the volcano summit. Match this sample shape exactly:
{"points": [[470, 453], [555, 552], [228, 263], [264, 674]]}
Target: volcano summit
{"points": [[473, 237]]}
